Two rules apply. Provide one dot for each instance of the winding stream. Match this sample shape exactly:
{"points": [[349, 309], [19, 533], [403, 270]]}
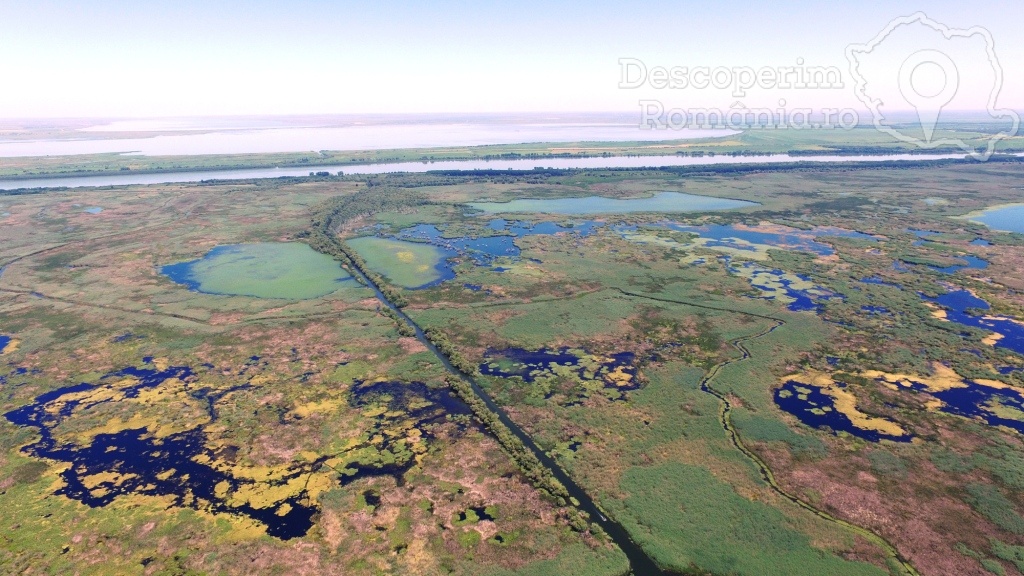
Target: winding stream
{"points": [[725, 418]]}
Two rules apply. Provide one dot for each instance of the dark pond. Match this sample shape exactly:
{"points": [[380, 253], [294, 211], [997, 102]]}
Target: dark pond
{"points": [[879, 281], [958, 305], [371, 498], [4, 341], [149, 466], [481, 513], [168, 466], [408, 404], [533, 364], [972, 262], [817, 410], [981, 402], [526, 364]]}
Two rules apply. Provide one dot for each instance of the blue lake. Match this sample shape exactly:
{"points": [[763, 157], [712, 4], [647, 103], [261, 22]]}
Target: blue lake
{"points": [[969, 263], [4, 341], [1006, 218], [526, 364], [178, 467]]}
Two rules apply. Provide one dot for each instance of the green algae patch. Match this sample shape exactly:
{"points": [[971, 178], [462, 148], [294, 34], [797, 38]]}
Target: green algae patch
{"points": [[284, 270], [407, 264]]}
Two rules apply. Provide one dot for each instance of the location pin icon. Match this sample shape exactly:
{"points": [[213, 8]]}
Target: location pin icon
{"points": [[929, 106]]}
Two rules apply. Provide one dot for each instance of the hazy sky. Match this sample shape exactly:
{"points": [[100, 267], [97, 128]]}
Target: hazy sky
{"points": [[125, 59]]}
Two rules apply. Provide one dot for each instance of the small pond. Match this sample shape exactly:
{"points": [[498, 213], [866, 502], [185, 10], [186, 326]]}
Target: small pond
{"points": [[616, 373], [816, 409]]}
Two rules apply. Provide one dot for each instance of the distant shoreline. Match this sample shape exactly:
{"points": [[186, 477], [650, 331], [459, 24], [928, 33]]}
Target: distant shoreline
{"points": [[83, 166]]}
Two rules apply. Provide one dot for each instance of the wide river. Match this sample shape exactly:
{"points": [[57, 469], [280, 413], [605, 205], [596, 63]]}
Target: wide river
{"points": [[521, 164]]}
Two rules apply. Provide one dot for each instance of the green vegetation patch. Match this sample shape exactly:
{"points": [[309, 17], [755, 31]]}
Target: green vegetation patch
{"points": [[991, 503], [1010, 553], [690, 518], [759, 428]]}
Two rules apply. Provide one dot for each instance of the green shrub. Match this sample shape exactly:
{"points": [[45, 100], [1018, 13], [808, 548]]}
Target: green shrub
{"points": [[886, 463], [988, 501], [1010, 553], [761, 429]]}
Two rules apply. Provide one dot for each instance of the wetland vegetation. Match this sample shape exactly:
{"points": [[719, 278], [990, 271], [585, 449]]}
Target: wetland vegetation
{"points": [[814, 380]]}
